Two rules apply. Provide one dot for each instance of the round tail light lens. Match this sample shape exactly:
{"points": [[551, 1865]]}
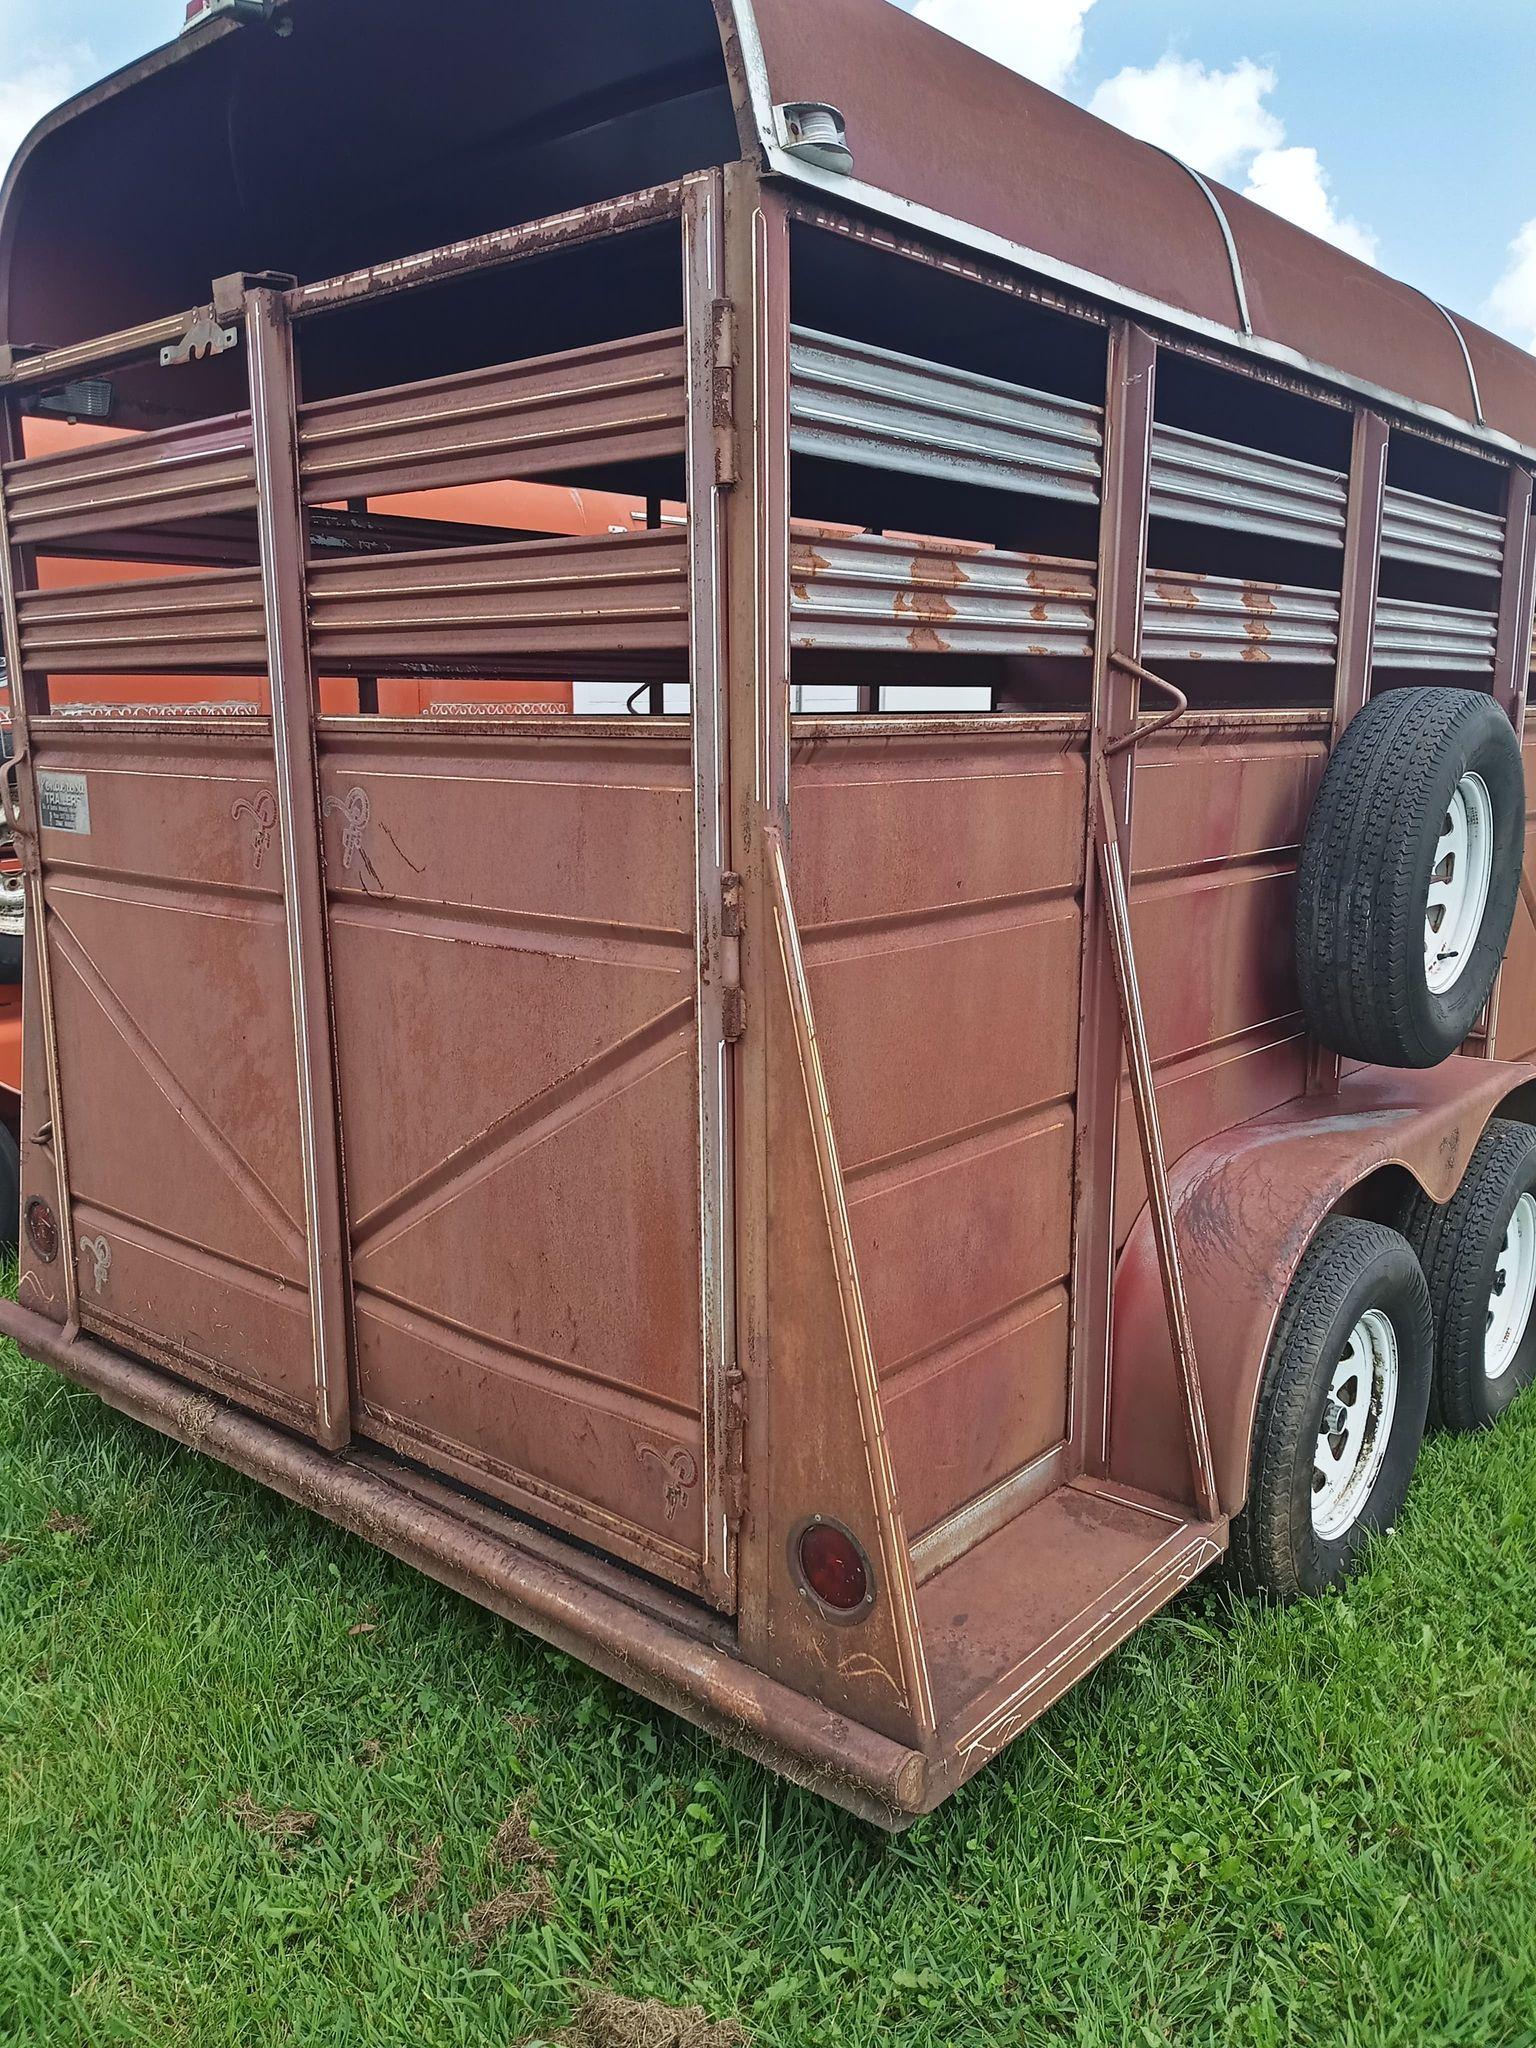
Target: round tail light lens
{"points": [[835, 1570], [42, 1230]]}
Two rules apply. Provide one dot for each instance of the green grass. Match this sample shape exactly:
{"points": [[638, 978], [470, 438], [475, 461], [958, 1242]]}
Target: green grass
{"points": [[1316, 1825]]}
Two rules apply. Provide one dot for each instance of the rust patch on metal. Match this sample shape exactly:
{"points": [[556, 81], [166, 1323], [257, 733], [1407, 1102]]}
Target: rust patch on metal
{"points": [[1059, 579], [927, 603], [931, 570]]}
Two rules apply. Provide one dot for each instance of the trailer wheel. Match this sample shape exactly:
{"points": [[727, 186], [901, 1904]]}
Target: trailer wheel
{"points": [[1409, 873], [1478, 1251], [1341, 1411], [10, 1191]]}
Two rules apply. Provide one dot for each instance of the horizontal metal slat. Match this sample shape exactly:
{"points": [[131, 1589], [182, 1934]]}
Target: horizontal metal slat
{"points": [[1442, 536], [1433, 636], [1216, 618], [872, 593], [590, 408], [187, 472], [174, 624], [1206, 482], [595, 606], [850, 402]]}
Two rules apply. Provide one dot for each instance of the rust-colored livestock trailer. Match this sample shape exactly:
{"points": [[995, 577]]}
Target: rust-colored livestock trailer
{"points": [[779, 1190]]}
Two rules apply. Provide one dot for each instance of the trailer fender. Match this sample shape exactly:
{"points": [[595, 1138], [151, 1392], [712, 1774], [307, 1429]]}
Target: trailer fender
{"points": [[1246, 1205]]}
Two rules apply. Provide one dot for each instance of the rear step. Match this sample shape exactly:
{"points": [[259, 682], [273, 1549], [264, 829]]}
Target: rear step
{"points": [[1014, 1623]]}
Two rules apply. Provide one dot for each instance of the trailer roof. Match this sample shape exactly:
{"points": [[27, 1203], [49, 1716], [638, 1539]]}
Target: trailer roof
{"points": [[394, 122], [954, 141]]}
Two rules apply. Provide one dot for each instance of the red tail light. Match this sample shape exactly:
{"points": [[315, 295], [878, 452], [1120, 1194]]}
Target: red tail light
{"points": [[834, 1569]]}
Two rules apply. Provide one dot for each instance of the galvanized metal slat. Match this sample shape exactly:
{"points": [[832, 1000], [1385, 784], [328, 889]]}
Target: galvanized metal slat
{"points": [[1432, 636], [1206, 482], [851, 402], [1442, 536], [877, 594], [1190, 618]]}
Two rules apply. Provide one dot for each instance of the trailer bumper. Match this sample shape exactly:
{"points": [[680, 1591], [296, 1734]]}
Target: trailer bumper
{"points": [[373, 1497]]}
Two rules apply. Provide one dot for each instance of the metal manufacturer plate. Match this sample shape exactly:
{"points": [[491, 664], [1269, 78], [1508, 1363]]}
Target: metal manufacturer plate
{"points": [[63, 803]]}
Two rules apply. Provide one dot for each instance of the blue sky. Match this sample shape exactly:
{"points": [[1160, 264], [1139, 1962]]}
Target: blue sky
{"points": [[1403, 128]]}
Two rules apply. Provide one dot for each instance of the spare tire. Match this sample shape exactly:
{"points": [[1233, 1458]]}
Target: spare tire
{"points": [[1409, 873]]}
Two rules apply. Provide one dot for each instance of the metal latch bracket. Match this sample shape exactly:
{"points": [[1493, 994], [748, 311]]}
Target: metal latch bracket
{"points": [[723, 391]]}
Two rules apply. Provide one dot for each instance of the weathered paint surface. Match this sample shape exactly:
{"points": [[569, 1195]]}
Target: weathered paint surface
{"points": [[1248, 1202], [715, 1128], [185, 1171], [512, 923], [939, 883]]}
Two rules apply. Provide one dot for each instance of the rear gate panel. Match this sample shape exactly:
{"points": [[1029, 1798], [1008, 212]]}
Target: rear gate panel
{"points": [[514, 976], [175, 1042]]}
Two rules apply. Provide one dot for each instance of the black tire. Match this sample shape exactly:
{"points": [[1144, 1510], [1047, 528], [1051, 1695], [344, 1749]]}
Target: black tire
{"points": [[10, 1191], [1351, 1266], [1460, 1245], [10, 959], [1366, 867]]}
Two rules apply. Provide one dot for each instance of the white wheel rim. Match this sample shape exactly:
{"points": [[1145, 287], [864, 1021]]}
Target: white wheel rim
{"points": [[1458, 884], [1357, 1424], [1514, 1291]]}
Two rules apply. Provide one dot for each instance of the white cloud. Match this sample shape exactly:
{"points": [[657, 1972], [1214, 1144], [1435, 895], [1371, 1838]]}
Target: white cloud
{"points": [[29, 89], [1292, 183], [1215, 120], [1511, 306], [1218, 122], [1040, 38]]}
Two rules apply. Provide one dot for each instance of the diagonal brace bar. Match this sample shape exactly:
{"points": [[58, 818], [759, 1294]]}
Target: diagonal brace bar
{"points": [[1149, 1130]]}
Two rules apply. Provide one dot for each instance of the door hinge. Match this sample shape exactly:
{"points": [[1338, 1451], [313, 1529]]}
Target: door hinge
{"points": [[723, 391], [733, 1001]]}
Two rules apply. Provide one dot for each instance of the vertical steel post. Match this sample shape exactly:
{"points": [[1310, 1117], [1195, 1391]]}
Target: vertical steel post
{"points": [[757, 271], [281, 519], [1360, 583], [1512, 648], [1123, 514], [17, 570], [711, 469], [1512, 652], [1359, 589]]}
